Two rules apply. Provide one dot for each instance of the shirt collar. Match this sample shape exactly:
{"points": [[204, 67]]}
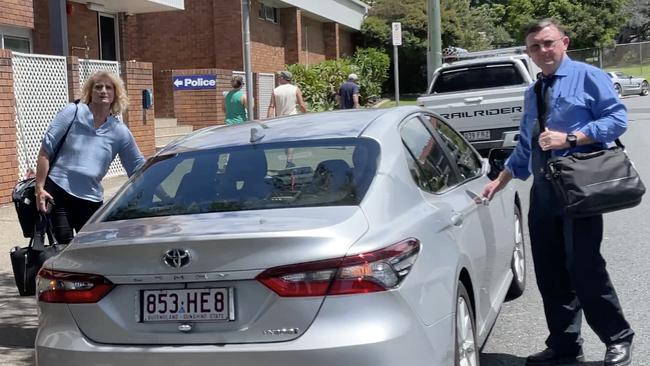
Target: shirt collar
{"points": [[563, 70]]}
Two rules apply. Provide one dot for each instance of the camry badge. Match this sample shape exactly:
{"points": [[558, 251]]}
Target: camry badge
{"points": [[177, 258]]}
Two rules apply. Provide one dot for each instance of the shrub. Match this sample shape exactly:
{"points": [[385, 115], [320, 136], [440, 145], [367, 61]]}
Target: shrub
{"points": [[320, 82]]}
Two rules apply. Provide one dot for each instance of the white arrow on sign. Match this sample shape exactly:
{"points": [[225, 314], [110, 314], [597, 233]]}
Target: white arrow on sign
{"points": [[178, 82]]}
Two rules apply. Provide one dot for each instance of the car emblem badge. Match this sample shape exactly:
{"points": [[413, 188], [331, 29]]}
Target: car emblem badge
{"points": [[177, 258]]}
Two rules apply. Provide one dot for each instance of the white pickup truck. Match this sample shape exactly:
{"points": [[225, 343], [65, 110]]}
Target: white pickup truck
{"points": [[483, 98]]}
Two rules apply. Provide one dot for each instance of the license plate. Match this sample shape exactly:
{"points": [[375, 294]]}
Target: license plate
{"points": [[203, 304], [477, 135]]}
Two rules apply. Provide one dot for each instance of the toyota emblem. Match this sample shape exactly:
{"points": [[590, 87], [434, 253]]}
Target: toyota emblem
{"points": [[177, 258]]}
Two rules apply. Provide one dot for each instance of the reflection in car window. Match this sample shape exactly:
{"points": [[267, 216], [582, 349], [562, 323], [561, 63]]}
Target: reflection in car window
{"points": [[331, 172], [435, 173], [468, 162]]}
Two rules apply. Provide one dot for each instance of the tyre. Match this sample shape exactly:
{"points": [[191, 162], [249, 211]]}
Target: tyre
{"points": [[518, 262], [644, 88], [467, 351], [618, 89]]}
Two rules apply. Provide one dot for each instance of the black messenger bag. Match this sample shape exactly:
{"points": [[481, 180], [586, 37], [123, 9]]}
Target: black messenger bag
{"points": [[595, 183], [27, 261], [592, 183]]}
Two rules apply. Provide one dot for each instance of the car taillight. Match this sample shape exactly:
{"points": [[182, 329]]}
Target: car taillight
{"points": [[71, 288], [380, 270]]}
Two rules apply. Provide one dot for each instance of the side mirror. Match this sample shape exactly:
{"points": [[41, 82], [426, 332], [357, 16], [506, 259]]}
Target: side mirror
{"points": [[497, 159]]}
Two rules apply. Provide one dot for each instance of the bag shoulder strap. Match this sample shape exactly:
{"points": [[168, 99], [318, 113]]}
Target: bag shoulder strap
{"points": [[60, 144], [42, 228]]}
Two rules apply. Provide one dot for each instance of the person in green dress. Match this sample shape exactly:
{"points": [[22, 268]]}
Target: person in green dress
{"points": [[235, 102]]}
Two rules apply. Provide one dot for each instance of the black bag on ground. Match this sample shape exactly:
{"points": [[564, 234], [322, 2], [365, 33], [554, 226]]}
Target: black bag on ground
{"points": [[27, 261], [597, 182]]}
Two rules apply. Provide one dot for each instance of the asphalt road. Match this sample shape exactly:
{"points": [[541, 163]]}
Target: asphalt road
{"points": [[520, 329]]}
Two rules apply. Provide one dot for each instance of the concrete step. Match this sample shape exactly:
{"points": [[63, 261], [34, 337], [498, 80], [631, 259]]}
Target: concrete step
{"points": [[165, 122], [175, 130]]}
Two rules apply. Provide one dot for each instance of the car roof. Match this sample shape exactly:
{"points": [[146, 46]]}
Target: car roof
{"points": [[308, 126]]}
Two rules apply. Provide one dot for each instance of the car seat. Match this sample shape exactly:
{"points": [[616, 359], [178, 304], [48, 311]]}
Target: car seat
{"points": [[332, 176], [244, 176]]}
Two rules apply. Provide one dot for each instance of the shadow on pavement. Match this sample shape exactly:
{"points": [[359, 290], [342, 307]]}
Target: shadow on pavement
{"points": [[18, 324], [501, 359]]}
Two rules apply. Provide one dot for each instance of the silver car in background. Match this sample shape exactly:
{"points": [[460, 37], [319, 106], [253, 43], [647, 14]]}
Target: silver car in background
{"points": [[626, 84], [373, 247]]}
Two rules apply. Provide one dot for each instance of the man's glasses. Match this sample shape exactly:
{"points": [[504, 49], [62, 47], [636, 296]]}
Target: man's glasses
{"points": [[546, 45]]}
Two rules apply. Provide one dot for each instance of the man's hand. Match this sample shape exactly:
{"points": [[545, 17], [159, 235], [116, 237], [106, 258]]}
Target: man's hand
{"points": [[496, 185], [553, 140]]}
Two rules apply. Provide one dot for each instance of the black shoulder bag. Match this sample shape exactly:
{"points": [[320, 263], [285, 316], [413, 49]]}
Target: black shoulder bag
{"points": [[24, 192], [592, 183]]}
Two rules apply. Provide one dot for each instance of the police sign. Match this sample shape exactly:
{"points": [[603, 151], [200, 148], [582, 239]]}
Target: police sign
{"points": [[194, 82]]}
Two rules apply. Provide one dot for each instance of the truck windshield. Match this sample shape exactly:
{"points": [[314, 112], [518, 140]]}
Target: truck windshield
{"points": [[475, 77]]}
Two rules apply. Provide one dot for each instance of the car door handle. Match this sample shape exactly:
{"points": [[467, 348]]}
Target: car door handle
{"points": [[474, 100], [457, 219]]}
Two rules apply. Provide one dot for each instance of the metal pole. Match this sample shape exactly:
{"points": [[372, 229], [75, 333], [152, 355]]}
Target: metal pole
{"points": [[245, 10], [434, 46], [396, 73]]}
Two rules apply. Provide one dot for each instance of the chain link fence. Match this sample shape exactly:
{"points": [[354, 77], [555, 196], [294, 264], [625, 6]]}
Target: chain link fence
{"points": [[633, 58]]}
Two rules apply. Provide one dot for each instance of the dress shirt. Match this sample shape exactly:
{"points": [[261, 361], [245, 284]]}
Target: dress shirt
{"points": [[582, 99], [87, 152]]}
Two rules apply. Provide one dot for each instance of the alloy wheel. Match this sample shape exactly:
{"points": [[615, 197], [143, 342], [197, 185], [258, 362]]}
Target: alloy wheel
{"points": [[518, 257], [467, 351], [644, 88]]}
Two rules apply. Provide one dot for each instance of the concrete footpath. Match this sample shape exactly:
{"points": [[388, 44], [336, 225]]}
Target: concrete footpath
{"points": [[18, 317]]}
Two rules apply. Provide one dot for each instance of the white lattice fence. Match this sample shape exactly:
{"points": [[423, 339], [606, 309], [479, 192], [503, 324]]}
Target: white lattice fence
{"points": [[87, 68], [41, 90]]}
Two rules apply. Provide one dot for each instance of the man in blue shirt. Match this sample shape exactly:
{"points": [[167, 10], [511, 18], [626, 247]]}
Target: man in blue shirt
{"points": [[348, 94], [584, 114]]}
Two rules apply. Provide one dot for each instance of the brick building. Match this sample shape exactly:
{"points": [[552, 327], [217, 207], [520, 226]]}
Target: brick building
{"points": [[153, 40]]}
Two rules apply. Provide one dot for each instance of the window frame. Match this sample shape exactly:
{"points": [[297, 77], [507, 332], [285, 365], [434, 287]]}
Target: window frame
{"points": [[449, 153], [16, 33], [445, 153]]}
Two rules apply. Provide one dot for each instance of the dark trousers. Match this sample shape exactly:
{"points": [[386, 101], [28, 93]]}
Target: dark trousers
{"points": [[571, 274], [69, 212]]}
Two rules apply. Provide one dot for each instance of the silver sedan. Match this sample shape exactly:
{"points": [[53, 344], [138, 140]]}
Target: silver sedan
{"points": [[342, 238], [626, 84]]}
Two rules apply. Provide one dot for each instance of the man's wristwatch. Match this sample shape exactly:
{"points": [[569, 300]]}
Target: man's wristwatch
{"points": [[572, 140]]}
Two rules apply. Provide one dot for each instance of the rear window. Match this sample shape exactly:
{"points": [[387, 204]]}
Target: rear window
{"points": [[329, 172], [478, 77]]}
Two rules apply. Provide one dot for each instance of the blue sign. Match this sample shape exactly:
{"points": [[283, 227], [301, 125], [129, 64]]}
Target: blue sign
{"points": [[194, 82]]}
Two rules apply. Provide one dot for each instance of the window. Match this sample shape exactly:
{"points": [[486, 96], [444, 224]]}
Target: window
{"points": [[108, 49], [469, 164], [16, 39], [478, 77], [269, 13], [332, 172], [432, 170]]}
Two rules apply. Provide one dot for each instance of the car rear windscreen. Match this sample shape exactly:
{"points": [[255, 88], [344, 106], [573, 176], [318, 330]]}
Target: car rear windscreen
{"points": [[478, 77], [327, 172]]}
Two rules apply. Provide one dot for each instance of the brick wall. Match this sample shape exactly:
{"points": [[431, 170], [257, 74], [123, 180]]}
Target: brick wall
{"points": [[313, 43], [82, 32], [174, 39], [201, 108], [74, 90], [227, 30], [346, 44], [163, 94], [41, 33], [290, 19], [18, 13], [267, 43], [8, 161], [331, 40], [137, 77]]}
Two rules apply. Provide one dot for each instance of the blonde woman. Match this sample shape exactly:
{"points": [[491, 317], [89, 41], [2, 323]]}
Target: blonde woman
{"points": [[72, 182]]}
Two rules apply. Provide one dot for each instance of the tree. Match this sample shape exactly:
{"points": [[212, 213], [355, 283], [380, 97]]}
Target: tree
{"points": [[589, 23], [637, 27]]}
